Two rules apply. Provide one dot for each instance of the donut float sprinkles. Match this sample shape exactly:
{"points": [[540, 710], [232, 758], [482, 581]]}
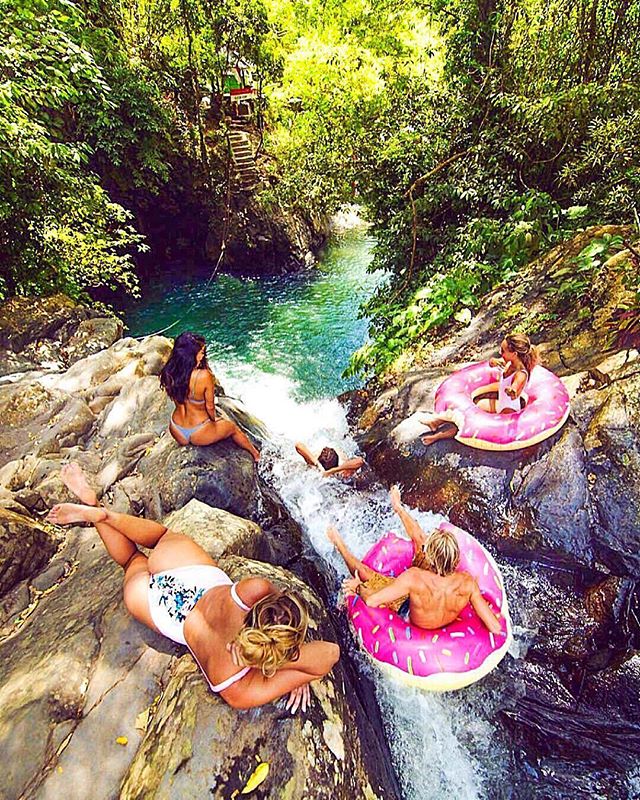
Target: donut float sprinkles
{"points": [[439, 660], [545, 412]]}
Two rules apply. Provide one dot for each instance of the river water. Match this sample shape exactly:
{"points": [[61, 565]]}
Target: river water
{"points": [[280, 345]]}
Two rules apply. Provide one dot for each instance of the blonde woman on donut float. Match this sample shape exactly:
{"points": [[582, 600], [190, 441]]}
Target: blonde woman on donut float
{"points": [[435, 590], [531, 400]]}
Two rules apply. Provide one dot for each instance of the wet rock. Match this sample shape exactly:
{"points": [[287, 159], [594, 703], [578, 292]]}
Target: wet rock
{"points": [[574, 498], [545, 718], [558, 508], [221, 475], [26, 545], [198, 745], [612, 444]]}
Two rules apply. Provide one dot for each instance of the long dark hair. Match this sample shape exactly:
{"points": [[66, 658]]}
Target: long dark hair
{"points": [[176, 373]]}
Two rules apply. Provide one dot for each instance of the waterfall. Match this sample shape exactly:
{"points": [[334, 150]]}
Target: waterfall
{"points": [[441, 744]]}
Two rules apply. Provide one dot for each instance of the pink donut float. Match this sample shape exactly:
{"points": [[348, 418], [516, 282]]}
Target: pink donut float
{"points": [[545, 412], [436, 660]]}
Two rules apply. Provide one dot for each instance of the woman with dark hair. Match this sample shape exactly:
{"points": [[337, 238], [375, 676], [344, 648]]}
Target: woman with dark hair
{"points": [[189, 382]]}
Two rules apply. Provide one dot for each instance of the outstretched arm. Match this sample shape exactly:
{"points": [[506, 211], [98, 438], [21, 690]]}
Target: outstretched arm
{"points": [[308, 456], [414, 531], [481, 607], [351, 464], [400, 587], [316, 660]]}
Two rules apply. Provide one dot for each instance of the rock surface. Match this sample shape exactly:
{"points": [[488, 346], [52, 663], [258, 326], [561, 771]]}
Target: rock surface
{"points": [[103, 672], [78, 676], [564, 515], [50, 333]]}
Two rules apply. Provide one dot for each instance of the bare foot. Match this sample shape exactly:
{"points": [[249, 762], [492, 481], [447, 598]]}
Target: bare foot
{"points": [[67, 513], [74, 479], [430, 438], [333, 536]]}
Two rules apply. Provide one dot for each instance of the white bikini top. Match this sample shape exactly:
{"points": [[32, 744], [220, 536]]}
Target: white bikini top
{"points": [[220, 687]]}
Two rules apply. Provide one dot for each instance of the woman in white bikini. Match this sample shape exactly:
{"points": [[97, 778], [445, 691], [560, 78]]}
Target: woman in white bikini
{"points": [[180, 592], [189, 382], [517, 358]]}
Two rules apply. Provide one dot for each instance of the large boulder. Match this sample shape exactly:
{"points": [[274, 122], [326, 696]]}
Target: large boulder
{"points": [[197, 745], [78, 677], [573, 499], [40, 421], [51, 333]]}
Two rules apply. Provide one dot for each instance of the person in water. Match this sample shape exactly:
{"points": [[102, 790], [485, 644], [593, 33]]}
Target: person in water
{"points": [[179, 591], [517, 359], [189, 382], [435, 590], [330, 462]]}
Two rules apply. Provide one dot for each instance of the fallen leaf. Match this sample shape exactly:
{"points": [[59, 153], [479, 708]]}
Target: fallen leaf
{"points": [[258, 775], [142, 720]]}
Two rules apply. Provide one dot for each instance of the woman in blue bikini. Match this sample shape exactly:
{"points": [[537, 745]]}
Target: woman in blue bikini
{"points": [[248, 638], [189, 382]]}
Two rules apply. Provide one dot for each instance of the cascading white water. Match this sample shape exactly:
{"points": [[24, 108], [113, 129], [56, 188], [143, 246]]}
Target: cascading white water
{"points": [[442, 745]]}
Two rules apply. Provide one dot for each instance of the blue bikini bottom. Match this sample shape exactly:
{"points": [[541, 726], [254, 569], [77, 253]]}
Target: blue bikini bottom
{"points": [[188, 432]]}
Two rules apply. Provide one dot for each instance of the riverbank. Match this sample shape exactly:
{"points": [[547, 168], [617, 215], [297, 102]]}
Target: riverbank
{"points": [[563, 515], [77, 675]]}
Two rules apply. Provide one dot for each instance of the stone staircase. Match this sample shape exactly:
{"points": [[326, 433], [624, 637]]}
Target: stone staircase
{"points": [[243, 158]]}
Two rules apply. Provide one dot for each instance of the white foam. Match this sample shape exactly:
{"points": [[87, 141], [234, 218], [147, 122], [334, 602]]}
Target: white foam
{"points": [[438, 742]]}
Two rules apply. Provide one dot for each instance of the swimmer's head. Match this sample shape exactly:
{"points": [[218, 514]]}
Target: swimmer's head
{"points": [[273, 633], [519, 344], [441, 552], [328, 458]]}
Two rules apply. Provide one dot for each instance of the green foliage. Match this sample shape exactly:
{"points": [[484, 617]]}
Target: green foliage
{"points": [[573, 281], [530, 134], [58, 228]]}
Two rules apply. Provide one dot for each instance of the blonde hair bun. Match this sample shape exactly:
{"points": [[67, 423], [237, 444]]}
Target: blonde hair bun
{"points": [[273, 633]]}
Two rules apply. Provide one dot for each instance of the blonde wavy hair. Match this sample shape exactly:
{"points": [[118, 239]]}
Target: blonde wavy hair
{"points": [[520, 344], [441, 553], [273, 633]]}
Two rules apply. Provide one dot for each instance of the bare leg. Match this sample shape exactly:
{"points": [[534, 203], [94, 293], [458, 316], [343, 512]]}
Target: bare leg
{"points": [[119, 547], [119, 532], [433, 422], [487, 404], [224, 429], [350, 560], [447, 433], [411, 526]]}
